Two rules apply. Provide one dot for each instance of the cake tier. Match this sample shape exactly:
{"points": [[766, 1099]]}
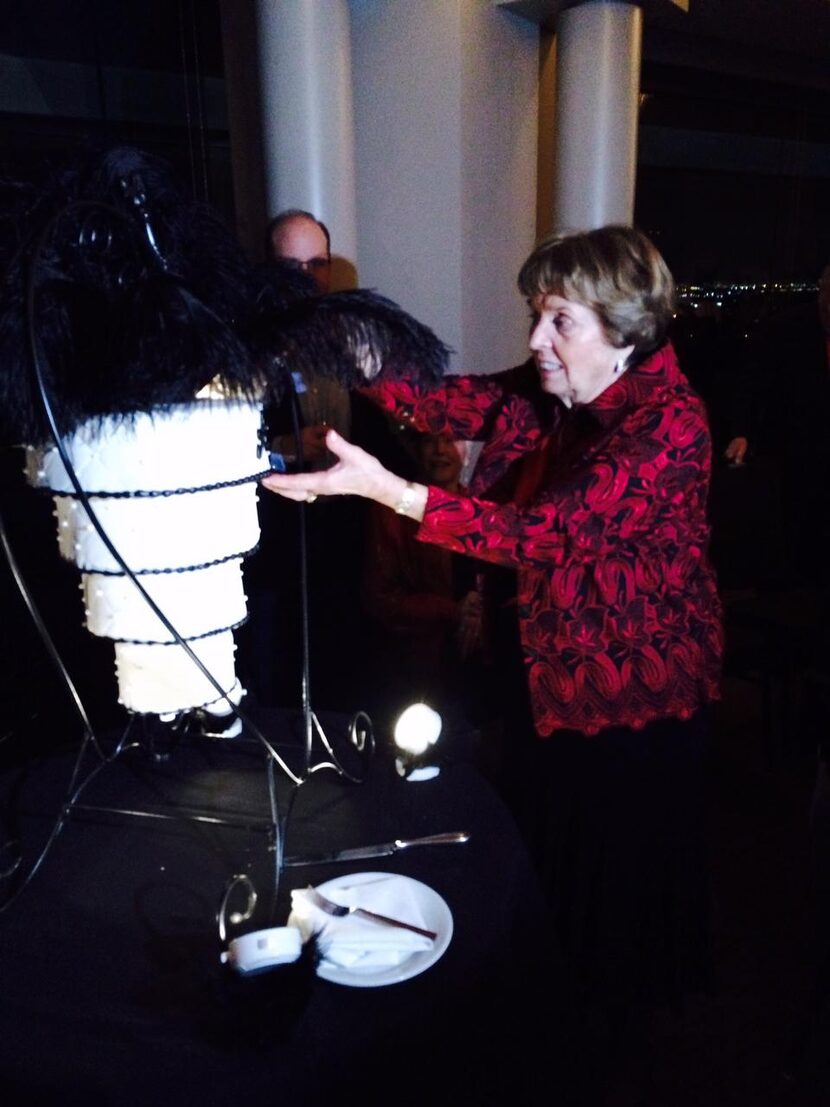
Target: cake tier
{"points": [[195, 603], [165, 532], [187, 446], [161, 679]]}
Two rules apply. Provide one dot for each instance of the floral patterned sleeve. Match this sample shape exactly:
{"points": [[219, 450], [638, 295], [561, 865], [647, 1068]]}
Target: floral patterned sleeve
{"points": [[459, 406], [643, 491]]}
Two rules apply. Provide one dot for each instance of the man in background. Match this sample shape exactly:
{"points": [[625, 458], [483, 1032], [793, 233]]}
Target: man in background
{"points": [[297, 237], [270, 645]]}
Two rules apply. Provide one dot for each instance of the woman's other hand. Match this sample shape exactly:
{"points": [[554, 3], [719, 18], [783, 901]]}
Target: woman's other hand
{"points": [[735, 452], [470, 631], [313, 442]]}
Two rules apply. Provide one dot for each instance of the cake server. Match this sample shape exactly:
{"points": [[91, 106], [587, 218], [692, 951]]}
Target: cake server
{"points": [[384, 849]]}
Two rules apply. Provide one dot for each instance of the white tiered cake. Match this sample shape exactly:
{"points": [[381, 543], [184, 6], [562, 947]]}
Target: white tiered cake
{"points": [[175, 493]]}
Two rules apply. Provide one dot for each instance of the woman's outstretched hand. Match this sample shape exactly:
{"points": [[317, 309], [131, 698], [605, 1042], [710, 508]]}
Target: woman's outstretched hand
{"points": [[354, 473]]}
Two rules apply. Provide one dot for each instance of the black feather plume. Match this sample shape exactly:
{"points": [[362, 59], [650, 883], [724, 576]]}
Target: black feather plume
{"points": [[350, 336], [128, 294], [120, 294]]}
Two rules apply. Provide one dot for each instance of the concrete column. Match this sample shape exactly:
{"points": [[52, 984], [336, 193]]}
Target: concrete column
{"points": [[598, 53], [305, 76], [546, 140], [445, 106]]}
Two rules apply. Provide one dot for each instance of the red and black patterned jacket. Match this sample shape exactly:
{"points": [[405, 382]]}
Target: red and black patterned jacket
{"points": [[618, 609]]}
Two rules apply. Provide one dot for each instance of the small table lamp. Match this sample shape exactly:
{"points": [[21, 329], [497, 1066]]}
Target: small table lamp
{"points": [[415, 734]]}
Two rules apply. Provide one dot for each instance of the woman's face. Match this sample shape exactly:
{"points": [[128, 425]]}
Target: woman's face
{"points": [[574, 358]]}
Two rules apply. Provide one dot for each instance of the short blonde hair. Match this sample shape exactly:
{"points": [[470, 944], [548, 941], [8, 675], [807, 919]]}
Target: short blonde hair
{"points": [[614, 270]]}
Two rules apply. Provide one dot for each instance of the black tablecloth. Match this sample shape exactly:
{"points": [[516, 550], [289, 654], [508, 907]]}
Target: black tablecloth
{"points": [[112, 987]]}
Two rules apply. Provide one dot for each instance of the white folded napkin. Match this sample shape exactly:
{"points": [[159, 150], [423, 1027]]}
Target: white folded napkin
{"points": [[357, 943]]}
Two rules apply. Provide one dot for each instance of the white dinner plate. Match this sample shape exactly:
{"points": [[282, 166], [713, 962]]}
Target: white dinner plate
{"points": [[436, 914]]}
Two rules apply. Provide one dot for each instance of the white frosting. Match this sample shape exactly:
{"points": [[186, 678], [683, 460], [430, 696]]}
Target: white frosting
{"points": [[116, 609], [162, 532], [190, 446], [160, 680]]}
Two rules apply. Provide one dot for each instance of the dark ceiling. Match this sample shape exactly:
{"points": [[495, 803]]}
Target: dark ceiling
{"points": [[782, 29], [158, 35], [783, 40]]}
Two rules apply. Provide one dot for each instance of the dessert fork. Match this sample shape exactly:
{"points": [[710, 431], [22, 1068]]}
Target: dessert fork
{"points": [[339, 910]]}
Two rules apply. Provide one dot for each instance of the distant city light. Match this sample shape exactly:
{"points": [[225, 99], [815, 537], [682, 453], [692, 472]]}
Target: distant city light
{"points": [[722, 294]]}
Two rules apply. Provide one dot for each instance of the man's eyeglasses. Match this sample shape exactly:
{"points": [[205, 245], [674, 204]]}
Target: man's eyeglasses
{"points": [[314, 265]]}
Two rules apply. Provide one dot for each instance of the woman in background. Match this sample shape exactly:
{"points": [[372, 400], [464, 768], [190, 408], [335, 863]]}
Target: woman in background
{"points": [[421, 602]]}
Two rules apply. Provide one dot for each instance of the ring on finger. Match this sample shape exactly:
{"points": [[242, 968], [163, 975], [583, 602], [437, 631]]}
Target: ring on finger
{"points": [[310, 497]]}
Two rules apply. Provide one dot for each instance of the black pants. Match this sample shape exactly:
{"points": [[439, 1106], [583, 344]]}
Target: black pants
{"points": [[615, 824]]}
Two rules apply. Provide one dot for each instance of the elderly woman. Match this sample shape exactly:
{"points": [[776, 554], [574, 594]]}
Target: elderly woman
{"points": [[607, 453]]}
